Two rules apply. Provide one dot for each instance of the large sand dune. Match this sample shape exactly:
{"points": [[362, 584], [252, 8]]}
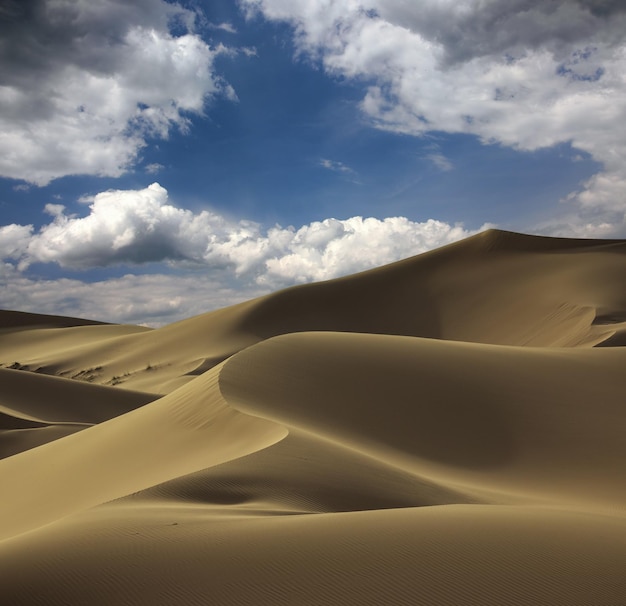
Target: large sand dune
{"points": [[448, 429]]}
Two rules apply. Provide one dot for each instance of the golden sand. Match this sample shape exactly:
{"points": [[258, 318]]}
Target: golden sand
{"points": [[448, 429]]}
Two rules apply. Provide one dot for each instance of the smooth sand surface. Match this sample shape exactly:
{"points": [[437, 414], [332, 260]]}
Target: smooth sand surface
{"points": [[448, 429]]}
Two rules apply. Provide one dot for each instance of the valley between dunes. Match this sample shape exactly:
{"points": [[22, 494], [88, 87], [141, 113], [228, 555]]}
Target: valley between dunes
{"points": [[447, 429]]}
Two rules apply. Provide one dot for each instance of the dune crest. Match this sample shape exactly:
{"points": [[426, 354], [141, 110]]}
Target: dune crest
{"points": [[447, 429], [190, 429]]}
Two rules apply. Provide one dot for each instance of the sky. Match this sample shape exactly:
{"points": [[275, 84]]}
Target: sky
{"points": [[163, 159]]}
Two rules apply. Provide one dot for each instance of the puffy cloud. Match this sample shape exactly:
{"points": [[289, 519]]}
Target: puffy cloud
{"points": [[136, 226], [526, 73], [83, 83], [141, 226], [330, 248], [14, 240]]}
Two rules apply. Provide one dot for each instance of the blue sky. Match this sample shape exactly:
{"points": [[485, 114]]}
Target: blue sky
{"points": [[187, 156]]}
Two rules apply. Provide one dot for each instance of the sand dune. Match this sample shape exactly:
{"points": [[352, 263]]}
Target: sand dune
{"points": [[448, 429], [28, 419]]}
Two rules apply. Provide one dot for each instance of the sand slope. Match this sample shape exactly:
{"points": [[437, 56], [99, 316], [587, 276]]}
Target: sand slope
{"points": [[496, 287], [438, 431], [35, 409]]}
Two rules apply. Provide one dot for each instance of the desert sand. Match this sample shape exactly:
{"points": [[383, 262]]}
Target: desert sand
{"points": [[448, 429]]}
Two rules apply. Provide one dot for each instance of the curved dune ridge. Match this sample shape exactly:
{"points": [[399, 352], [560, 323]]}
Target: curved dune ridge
{"points": [[448, 429]]}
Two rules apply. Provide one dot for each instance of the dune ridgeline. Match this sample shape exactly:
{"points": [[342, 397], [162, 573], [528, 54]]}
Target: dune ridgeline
{"points": [[447, 429]]}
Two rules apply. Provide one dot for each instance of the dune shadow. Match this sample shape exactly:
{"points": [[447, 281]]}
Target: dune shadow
{"points": [[394, 302], [377, 393], [206, 365]]}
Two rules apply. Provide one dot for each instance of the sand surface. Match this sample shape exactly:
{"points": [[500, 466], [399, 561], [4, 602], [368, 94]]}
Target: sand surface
{"points": [[448, 429]]}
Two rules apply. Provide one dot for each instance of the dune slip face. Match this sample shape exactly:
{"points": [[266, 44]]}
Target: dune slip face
{"points": [[448, 429]]}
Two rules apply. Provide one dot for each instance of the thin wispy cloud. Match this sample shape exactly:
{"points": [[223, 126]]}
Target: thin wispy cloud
{"points": [[440, 161], [154, 168], [225, 27], [335, 166], [154, 299]]}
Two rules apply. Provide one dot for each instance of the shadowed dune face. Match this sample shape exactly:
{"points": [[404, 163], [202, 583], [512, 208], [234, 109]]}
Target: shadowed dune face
{"points": [[21, 319], [187, 430], [36, 409], [507, 418], [438, 431], [375, 393], [495, 288]]}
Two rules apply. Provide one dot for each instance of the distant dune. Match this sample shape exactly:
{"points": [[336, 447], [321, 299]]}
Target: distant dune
{"points": [[447, 429]]}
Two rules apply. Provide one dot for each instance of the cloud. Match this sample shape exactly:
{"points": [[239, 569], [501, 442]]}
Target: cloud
{"points": [[54, 210], [330, 248], [14, 240], [154, 168], [335, 166], [225, 27], [142, 226], [155, 299], [440, 161], [84, 84], [528, 74]]}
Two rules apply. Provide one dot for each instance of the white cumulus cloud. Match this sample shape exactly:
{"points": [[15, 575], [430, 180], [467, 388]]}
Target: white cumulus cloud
{"points": [[84, 83], [330, 248], [126, 227], [14, 240]]}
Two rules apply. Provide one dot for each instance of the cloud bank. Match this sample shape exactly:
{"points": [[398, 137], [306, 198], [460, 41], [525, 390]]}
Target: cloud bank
{"points": [[84, 84], [527, 74], [155, 299], [133, 227]]}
